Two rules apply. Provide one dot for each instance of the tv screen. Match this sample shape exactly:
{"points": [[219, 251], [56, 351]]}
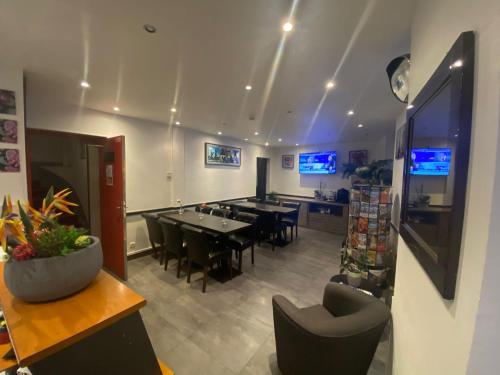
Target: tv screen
{"points": [[318, 163], [430, 161]]}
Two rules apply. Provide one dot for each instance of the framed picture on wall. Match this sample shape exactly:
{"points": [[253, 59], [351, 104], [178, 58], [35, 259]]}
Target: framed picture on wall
{"points": [[7, 102], [287, 161], [401, 138], [222, 155], [9, 160], [358, 157], [8, 131]]}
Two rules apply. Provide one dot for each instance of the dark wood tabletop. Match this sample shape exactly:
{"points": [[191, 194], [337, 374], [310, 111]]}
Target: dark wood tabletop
{"points": [[264, 207], [207, 222]]}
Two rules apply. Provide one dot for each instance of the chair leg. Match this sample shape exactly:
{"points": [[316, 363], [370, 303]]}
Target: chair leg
{"points": [[205, 277], [274, 240], [154, 250], [291, 233], [179, 261], [166, 261], [240, 260], [296, 230], [189, 271], [230, 265], [253, 253]]}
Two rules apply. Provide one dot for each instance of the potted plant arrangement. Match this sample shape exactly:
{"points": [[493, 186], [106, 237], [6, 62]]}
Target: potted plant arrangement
{"points": [[355, 266], [46, 260], [378, 172]]}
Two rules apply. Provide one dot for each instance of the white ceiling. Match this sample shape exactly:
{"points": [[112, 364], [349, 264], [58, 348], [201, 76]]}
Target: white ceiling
{"points": [[206, 51]]}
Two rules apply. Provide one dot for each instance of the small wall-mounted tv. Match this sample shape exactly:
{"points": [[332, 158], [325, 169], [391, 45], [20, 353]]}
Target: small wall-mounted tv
{"points": [[318, 163], [430, 161]]}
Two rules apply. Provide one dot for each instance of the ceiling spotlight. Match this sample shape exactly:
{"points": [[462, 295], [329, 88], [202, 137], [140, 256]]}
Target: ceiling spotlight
{"points": [[409, 106], [287, 27], [267, 143], [173, 109], [330, 85], [149, 28], [219, 133], [350, 113], [296, 144], [457, 64], [116, 109], [256, 133], [85, 84], [248, 87], [246, 139], [177, 123], [279, 139], [360, 125]]}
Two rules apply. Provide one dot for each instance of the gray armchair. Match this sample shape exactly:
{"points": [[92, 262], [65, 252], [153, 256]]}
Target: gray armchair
{"points": [[338, 337]]}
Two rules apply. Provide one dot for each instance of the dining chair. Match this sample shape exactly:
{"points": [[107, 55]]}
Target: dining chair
{"points": [[222, 212], [254, 200], [244, 238], [291, 220], [205, 250], [271, 226], [155, 235], [272, 202], [173, 242]]}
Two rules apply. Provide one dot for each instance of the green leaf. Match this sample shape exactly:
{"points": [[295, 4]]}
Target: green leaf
{"points": [[4, 206], [50, 196], [28, 227]]}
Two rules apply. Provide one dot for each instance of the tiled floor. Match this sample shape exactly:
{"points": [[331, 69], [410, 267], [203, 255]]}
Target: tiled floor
{"points": [[229, 329]]}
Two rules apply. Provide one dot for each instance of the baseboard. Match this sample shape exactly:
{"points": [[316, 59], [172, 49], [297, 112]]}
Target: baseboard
{"points": [[139, 253]]}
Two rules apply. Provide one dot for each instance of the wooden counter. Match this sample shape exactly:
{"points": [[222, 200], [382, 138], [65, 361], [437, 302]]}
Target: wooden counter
{"points": [[41, 330]]}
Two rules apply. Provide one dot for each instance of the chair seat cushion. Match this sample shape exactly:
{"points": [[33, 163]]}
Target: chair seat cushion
{"points": [[287, 221], [239, 242]]}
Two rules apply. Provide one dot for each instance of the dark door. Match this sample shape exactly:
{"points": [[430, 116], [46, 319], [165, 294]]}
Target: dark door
{"points": [[113, 206], [261, 178]]}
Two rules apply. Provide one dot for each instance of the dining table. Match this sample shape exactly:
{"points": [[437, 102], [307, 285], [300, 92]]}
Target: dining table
{"points": [[263, 207], [215, 225]]}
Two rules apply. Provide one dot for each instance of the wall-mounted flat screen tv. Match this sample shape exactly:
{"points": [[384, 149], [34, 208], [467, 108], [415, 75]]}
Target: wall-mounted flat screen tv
{"points": [[430, 161], [318, 163]]}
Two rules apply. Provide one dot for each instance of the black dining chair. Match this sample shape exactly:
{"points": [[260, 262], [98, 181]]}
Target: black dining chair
{"points": [[271, 226], [155, 235], [173, 242], [204, 249], [244, 238], [291, 220], [222, 212], [204, 209]]}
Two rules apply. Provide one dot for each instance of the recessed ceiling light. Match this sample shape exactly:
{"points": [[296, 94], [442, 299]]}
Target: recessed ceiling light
{"points": [[256, 133], [116, 109], [177, 123], [85, 84], [279, 139], [248, 87], [409, 106], [350, 113], [360, 125], [288, 26], [457, 64], [149, 28], [296, 144], [219, 133], [267, 143], [330, 85], [173, 109], [246, 139]]}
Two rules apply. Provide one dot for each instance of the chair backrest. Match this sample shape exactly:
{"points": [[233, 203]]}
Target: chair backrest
{"points": [[267, 221], [154, 230], [206, 209], [172, 234], [198, 244], [272, 202], [295, 214], [250, 219], [222, 212]]}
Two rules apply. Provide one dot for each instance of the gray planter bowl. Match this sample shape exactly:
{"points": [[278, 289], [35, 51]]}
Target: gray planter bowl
{"points": [[47, 279]]}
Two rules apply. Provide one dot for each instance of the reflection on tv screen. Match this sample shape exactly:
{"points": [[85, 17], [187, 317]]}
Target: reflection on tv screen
{"points": [[430, 161], [318, 163]]}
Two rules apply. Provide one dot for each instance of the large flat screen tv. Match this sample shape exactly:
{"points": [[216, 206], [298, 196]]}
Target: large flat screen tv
{"points": [[430, 161], [318, 163]]}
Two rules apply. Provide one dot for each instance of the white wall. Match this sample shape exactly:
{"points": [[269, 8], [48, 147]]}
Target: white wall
{"points": [[289, 181], [432, 335], [14, 183]]}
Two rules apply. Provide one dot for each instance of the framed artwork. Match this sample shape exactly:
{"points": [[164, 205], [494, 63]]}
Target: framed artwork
{"points": [[287, 161], [358, 157], [7, 102], [222, 155], [401, 138], [8, 131], [9, 160]]}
